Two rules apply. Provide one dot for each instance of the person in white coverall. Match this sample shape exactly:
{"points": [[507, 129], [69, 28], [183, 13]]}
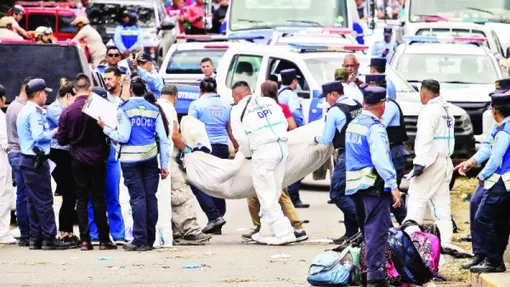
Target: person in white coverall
{"points": [[433, 167], [260, 128], [6, 188]]}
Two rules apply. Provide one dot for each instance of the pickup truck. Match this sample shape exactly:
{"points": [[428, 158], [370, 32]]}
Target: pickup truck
{"points": [[316, 65], [48, 61]]}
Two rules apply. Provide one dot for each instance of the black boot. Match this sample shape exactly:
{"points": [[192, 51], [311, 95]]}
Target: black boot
{"points": [[35, 243], [54, 244], [487, 267], [477, 259]]}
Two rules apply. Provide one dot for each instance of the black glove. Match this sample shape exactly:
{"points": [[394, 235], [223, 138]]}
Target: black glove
{"points": [[202, 149], [248, 158], [418, 169]]}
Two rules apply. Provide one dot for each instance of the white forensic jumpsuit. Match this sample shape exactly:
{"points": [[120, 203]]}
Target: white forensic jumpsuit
{"points": [[262, 135], [7, 191], [433, 147]]}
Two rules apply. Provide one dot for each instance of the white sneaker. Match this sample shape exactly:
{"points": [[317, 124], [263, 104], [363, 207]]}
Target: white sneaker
{"points": [[8, 240]]}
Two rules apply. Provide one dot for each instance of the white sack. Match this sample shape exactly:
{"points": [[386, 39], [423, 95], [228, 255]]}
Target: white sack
{"points": [[193, 132], [231, 179]]}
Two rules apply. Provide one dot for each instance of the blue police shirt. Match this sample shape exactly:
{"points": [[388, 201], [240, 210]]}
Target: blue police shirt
{"points": [[154, 81], [128, 38], [499, 149], [484, 151], [215, 114], [335, 119], [52, 115], [33, 129], [123, 132], [391, 116], [291, 99], [391, 91], [380, 46]]}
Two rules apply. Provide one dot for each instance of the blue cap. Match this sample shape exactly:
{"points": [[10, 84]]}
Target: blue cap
{"points": [[36, 85], [500, 99], [502, 85], [377, 62], [374, 95], [335, 86], [99, 91], [289, 75], [388, 31], [143, 57]]}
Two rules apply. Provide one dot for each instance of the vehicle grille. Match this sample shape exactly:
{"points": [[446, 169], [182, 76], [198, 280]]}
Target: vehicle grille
{"points": [[475, 112], [411, 123]]}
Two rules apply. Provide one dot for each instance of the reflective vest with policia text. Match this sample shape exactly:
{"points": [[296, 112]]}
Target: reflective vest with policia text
{"points": [[361, 173], [504, 171], [142, 144], [350, 112]]}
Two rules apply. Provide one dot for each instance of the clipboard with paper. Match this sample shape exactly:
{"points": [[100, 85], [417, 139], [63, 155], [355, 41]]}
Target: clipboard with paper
{"points": [[97, 106]]}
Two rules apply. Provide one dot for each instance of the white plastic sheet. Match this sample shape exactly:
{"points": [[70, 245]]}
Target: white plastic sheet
{"points": [[231, 179]]}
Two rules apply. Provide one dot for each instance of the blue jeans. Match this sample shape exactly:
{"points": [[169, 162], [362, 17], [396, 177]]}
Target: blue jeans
{"points": [[399, 158], [293, 191], [21, 196], [213, 207], [111, 193], [492, 220], [142, 180], [474, 203], [342, 201]]}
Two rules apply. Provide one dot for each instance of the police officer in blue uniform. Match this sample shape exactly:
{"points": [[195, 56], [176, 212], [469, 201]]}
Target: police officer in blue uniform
{"points": [[287, 96], [340, 114], [370, 178], [393, 120], [139, 130], [214, 112], [493, 215], [35, 140], [483, 154], [385, 48], [378, 66]]}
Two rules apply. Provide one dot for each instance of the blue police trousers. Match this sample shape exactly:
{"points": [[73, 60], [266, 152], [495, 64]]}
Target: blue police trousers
{"points": [[21, 196], [213, 207], [111, 193], [142, 180], [399, 159], [474, 203], [40, 198], [492, 218], [374, 221], [342, 201]]}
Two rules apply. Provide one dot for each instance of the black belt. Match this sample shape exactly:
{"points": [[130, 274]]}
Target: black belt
{"points": [[47, 156]]}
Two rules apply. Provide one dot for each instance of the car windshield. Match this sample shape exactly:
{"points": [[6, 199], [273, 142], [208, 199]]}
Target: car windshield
{"points": [[448, 68], [324, 71], [110, 14], [457, 10], [188, 61], [252, 14]]}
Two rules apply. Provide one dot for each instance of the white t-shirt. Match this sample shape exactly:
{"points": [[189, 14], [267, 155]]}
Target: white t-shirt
{"points": [[15, 23]]}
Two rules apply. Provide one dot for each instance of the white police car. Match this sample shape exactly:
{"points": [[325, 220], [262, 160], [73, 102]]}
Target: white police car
{"points": [[465, 69], [316, 64]]}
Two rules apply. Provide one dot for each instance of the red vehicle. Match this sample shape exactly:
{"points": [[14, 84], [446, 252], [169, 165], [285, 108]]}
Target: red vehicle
{"points": [[57, 15]]}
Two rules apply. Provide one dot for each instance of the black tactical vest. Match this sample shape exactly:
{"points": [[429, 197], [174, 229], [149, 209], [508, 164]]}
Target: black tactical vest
{"points": [[350, 113], [397, 134]]}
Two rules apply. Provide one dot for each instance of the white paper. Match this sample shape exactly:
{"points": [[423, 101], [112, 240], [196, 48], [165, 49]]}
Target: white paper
{"points": [[52, 165], [97, 106]]}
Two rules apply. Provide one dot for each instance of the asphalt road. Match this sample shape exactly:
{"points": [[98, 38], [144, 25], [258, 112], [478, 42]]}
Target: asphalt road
{"points": [[225, 261]]}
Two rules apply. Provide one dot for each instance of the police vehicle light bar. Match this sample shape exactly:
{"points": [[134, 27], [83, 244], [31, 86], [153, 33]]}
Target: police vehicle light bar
{"points": [[216, 46], [201, 37], [336, 47], [313, 30], [43, 4], [443, 39], [245, 37]]}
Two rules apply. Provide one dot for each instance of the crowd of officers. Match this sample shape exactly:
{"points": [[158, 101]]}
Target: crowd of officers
{"points": [[368, 135]]}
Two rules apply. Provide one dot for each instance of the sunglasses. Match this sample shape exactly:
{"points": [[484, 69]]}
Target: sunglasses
{"points": [[113, 55]]}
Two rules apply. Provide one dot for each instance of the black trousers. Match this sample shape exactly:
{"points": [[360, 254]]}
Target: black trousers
{"points": [[90, 183], [63, 176]]}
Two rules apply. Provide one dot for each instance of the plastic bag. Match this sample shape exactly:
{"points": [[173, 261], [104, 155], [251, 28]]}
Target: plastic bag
{"points": [[232, 179]]}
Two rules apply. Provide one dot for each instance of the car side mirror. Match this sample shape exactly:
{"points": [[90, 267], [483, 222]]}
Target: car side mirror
{"points": [[167, 25], [507, 54], [415, 87]]}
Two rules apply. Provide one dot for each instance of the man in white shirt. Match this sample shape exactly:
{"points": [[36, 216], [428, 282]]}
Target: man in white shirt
{"points": [[186, 230], [6, 188]]}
